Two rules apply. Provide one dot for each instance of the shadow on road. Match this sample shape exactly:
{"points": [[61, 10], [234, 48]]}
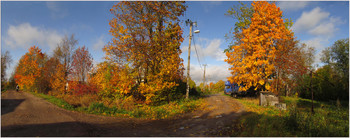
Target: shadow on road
{"points": [[9, 105], [51, 129], [182, 126]]}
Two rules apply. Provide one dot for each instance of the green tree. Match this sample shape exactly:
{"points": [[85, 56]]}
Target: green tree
{"points": [[192, 84], [336, 71], [338, 56], [243, 14]]}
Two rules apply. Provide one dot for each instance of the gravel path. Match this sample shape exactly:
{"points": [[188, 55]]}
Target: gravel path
{"points": [[23, 114]]}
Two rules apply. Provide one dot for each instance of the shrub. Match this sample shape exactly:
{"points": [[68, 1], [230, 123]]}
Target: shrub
{"points": [[81, 89], [81, 100], [328, 120]]}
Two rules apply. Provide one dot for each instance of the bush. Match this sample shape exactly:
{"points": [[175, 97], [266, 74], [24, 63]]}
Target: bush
{"points": [[81, 89], [328, 120], [81, 100]]}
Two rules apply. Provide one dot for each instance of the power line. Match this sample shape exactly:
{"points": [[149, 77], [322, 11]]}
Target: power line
{"points": [[202, 51], [194, 43]]}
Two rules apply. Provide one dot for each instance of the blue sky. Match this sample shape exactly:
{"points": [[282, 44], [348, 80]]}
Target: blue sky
{"points": [[23, 24]]}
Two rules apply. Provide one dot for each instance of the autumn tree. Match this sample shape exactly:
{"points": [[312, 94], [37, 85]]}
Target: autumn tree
{"points": [[29, 72], [211, 85], [146, 39], [55, 72], [81, 64], [292, 65], [219, 86], [60, 64], [253, 60], [111, 80], [64, 53], [5, 62], [242, 14]]}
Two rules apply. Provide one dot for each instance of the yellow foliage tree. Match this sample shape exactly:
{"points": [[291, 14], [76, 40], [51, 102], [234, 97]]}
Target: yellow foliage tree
{"points": [[146, 45], [58, 82], [254, 58], [111, 80], [54, 73]]}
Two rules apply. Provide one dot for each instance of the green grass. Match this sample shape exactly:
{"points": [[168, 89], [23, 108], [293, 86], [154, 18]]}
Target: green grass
{"points": [[148, 112], [142, 111], [56, 101], [328, 120]]}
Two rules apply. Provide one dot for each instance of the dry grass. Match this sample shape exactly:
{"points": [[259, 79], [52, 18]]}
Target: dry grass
{"points": [[80, 101]]}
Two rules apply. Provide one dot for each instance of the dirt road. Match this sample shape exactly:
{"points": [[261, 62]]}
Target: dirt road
{"points": [[23, 114]]}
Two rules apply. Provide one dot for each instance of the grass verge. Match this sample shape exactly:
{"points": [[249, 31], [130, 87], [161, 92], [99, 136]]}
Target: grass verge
{"points": [[297, 120], [149, 112], [172, 109], [56, 101]]}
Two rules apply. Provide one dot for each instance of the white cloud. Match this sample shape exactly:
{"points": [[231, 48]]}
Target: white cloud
{"points": [[26, 35], [318, 23], [213, 73], [321, 26], [57, 12], [210, 5], [327, 29], [317, 43], [212, 49], [99, 44], [216, 73], [309, 20], [318, 58], [292, 5]]}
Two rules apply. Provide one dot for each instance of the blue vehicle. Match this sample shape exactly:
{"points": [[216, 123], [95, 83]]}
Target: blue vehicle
{"points": [[233, 89]]}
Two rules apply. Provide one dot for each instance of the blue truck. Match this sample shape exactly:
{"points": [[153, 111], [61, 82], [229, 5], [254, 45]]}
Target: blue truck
{"points": [[233, 89]]}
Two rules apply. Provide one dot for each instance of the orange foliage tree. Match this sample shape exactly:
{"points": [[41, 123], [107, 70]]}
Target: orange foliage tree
{"points": [[253, 60], [147, 38], [211, 85], [29, 72]]}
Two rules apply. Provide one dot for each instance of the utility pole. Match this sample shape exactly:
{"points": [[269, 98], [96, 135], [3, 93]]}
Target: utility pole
{"points": [[189, 22], [188, 61], [204, 76]]}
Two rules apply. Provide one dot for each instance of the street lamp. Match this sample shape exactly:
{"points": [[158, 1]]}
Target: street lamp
{"points": [[188, 21]]}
